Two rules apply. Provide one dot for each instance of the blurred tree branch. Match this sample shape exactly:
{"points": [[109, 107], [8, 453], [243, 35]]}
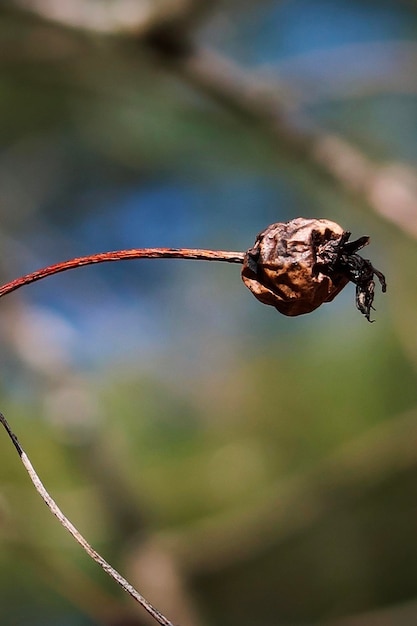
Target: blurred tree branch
{"points": [[137, 17], [390, 190]]}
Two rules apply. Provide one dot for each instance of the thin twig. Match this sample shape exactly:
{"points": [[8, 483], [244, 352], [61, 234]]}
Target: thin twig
{"points": [[54, 508], [195, 254]]}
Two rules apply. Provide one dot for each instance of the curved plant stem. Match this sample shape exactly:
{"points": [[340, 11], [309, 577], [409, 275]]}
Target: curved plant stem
{"points": [[54, 508], [195, 254], [118, 255]]}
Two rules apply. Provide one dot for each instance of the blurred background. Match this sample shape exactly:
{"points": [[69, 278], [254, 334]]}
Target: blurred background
{"points": [[237, 466]]}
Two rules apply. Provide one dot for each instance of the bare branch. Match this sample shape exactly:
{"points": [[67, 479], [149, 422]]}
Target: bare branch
{"points": [[53, 507]]}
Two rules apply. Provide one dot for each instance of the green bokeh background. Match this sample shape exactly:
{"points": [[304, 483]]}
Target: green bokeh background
{"points": [[239, 467]]}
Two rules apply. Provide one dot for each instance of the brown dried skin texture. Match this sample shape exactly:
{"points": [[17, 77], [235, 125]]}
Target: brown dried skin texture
{"points": [[283, 269]]}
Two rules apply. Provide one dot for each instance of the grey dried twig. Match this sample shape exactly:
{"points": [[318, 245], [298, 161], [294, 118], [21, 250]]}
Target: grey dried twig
{"points": [[54, 508]]}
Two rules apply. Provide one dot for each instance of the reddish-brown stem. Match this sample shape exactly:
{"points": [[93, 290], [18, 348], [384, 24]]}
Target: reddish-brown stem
{"points": [[123, 255]]}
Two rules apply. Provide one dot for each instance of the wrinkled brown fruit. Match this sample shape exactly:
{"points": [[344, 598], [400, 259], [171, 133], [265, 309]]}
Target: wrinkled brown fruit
{"points": [[284, 266]]}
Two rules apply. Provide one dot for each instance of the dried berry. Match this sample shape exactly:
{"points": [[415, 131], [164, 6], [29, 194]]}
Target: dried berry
{"points": [[295, 266]]}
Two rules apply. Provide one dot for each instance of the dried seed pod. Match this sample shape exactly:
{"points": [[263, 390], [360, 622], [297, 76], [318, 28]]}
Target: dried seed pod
{"points": [[295, 266]]}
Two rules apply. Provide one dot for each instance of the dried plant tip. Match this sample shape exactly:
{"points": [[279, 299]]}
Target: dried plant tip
{"points": [[298, 265]]}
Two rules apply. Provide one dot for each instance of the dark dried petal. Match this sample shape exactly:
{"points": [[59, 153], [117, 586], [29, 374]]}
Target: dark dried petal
{"points": [[283, 269]]}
